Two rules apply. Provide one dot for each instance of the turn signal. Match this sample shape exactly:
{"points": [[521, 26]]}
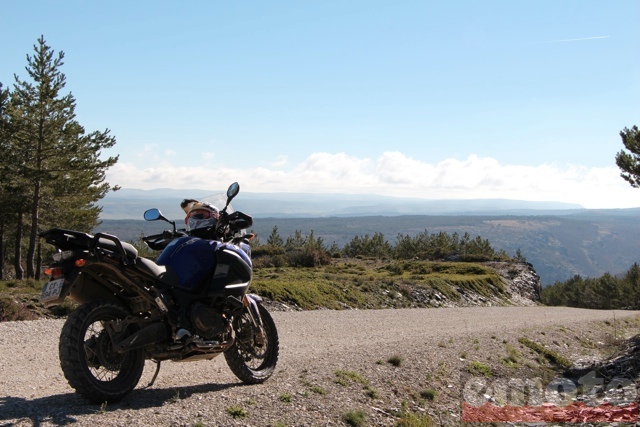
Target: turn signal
{"points": [[54, 272], [80, 262]]}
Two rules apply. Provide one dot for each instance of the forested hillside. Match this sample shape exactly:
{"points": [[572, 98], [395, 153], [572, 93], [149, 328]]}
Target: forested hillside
{"points": [[604, 292], [588, 244]]}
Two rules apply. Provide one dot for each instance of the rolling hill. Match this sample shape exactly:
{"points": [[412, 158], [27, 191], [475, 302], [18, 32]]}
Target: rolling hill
{"points": [[560, 240]]}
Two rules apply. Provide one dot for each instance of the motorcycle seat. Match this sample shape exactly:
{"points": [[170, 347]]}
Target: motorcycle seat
{"points": [[160, 272], [130, 250]]}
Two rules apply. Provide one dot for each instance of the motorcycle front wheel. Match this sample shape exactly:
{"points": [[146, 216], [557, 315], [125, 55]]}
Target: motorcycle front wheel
{"points": [[254, 353], [88, 361]]}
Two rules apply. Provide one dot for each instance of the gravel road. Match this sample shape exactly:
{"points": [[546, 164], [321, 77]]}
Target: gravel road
{"points": [[303, 391]]}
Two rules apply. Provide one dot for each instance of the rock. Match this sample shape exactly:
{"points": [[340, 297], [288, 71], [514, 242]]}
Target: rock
{"points": [[521, 280]]}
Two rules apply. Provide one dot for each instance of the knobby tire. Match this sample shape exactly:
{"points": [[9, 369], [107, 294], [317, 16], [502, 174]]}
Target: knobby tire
{"points": [[236, 357], [76, 351]]}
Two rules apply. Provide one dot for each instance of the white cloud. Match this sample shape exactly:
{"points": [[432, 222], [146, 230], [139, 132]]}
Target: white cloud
{"points": [[280, 162], [394, 173], [147, 150]]}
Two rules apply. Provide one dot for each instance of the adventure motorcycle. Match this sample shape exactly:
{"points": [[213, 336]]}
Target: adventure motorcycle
{"points": [[191, 304]]}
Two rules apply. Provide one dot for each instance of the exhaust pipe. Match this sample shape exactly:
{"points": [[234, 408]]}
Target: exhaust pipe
{"points": [[151, 334]]}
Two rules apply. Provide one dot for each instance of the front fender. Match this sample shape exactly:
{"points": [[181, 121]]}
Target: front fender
{"points": [[251, 302]]}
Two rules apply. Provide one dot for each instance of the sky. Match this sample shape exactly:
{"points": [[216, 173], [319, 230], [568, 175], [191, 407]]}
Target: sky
{"points": [[428, 99]]}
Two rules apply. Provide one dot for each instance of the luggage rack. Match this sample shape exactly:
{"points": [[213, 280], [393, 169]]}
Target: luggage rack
{"points": [[116, 247]]}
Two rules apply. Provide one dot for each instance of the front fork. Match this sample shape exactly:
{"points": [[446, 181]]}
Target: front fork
{"points": [[250, 302]]}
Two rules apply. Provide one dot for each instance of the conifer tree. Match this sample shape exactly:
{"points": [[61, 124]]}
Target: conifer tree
{"points": [[274, 238], [629, 161], [5, 212], [59, 167]]}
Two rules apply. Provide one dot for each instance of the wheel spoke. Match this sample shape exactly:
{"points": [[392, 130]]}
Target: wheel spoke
{"points": [[87, 357], [252, 343], [254, 355]]}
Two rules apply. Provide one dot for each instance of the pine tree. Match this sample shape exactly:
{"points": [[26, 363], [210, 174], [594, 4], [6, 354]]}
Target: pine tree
{"points": [[275, 239], [629, 162], [58, 163], [5, 212], [632, 286]]}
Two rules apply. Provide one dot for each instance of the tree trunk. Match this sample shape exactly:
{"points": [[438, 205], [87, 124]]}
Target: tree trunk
{"points": [[18, 251], [33, 236], [39, 261], [3, 250]]}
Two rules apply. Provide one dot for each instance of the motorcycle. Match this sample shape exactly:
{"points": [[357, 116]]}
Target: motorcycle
{"points": [[189, 305]]}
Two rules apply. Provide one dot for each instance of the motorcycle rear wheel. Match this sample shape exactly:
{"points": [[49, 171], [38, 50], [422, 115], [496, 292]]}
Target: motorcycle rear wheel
{"points": [[254, 354], [90, 365]]}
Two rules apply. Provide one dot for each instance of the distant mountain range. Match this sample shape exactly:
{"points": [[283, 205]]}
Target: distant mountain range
{"points": [[560, 239], [130, 204]]}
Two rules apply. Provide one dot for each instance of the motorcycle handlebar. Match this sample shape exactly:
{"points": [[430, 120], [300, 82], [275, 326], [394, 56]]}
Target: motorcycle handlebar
{"points": [[228, 224]]}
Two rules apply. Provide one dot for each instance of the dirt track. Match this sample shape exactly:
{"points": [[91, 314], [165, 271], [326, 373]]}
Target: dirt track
{"points": [[303, 391]]}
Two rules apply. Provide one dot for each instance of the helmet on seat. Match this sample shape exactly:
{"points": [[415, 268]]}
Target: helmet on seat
{"points": [[201, 218]]}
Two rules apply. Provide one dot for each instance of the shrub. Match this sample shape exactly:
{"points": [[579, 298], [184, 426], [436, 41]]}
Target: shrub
{"points": [[371, 392], [413, 420], [395, 360], [309, 256], [355, 418], [429, 394], [479, 368], [551, 355], [513, 356], [266, 251], [268, 256], [318, 390], [64, 309], [475, 258], [11, 310], [286, 398], [344, 376], [237, 411]]}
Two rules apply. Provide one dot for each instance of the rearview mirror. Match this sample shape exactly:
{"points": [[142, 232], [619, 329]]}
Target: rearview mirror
{"points": [[152, 215], [233, 191]]}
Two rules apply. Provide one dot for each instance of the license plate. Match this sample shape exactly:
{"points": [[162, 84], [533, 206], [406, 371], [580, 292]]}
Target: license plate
{"points": [[51, 290]]}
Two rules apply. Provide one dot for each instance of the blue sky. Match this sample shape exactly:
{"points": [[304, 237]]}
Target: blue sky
{"points": [[448, 99]]}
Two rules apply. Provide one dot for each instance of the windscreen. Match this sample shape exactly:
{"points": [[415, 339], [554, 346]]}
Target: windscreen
{"points": [[218, 201]]}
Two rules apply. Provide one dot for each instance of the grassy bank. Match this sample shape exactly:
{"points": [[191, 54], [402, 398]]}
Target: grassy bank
{"points": [[378, 284], [343, 284]]}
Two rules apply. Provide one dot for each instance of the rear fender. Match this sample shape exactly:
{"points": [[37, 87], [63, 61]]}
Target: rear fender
{"points": [[69, 281], [101, 281], [88, 288]]}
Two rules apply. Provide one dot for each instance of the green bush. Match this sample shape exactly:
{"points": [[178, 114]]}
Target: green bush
{"points": [[266, 251], [308, 256], [11, 310], [429, 394], [475, 368], [237, 411], [551, 355], [395, 360], [355, 418], [410, 419]]}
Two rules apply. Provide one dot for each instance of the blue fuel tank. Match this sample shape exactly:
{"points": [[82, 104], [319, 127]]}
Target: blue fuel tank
{"points": [[223, 267]]}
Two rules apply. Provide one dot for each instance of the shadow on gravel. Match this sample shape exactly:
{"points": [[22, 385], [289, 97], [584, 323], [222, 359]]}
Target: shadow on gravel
{"points": [[624, 364], [616, 378], [61, 409]]}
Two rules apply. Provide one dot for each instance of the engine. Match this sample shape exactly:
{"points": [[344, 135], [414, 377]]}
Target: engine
{"points": [[207, 322]]}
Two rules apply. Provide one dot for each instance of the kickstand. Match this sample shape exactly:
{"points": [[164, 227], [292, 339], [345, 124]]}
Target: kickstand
{"points": [[154, 375]]}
